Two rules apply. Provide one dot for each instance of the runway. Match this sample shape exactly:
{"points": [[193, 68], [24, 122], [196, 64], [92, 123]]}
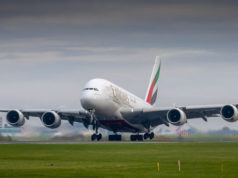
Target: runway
{"points": [[115, 142]]}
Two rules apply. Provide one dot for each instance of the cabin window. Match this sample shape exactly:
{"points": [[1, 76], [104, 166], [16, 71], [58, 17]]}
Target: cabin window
{"points": [[95, 89]]}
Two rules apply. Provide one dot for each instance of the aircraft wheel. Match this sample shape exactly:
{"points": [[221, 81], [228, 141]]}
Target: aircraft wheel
{"points": [[114, 138], [99, 137], [118, 138], [152, 135], [93, 137], [136, 137], [146, 135], [133, 137], [140, 137]]}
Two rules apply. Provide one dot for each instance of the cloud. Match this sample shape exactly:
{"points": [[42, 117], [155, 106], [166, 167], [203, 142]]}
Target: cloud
{"points": [[83, 27], [169, 15], [50, 49], [35, 51]]}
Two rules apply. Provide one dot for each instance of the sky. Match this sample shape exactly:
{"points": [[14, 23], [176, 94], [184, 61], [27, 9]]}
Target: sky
{"points": [[50, 49]]}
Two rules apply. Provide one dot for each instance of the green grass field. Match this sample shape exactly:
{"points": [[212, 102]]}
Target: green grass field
{"points": [[119, 160]]}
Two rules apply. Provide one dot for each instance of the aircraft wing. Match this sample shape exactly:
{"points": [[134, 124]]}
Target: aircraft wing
{"points": [[70, 115], [158, 116]]}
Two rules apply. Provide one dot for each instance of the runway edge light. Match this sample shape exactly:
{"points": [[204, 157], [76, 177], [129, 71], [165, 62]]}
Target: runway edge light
{"points": [[158, 168], [179, 165]]}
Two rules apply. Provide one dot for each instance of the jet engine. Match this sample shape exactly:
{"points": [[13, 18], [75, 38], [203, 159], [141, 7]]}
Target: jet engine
{"points": [[176, 117], [15, 118], [229, 113], [51, 120]]}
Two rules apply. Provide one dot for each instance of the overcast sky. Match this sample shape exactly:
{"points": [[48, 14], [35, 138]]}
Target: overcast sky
{"points": [[50, 49]]}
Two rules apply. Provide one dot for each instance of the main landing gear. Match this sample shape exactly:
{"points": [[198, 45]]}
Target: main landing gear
{"points": [[114, 137], [96, 137], [149, 135], [142, 137], [137, 137]]}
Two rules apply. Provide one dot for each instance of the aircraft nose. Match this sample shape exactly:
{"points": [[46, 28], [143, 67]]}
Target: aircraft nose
{"points": [[88, 100]]}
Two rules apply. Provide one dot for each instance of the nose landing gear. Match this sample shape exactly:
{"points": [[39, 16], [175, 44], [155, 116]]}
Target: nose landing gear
{"points": [[96, 136]]}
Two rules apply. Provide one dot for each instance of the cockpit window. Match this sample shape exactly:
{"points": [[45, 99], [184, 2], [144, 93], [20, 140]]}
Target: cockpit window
{"points": [[95, 89]]}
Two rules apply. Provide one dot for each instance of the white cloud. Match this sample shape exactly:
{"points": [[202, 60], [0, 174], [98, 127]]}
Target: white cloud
{"points": [[49, 51], [38, 50]]}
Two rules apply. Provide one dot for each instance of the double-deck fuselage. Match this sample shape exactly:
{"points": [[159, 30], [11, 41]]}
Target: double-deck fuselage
{"points": [[108, 100], [113, 108]]}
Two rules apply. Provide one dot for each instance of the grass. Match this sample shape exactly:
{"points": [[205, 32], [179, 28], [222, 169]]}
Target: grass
{"points": [[119, 160]]}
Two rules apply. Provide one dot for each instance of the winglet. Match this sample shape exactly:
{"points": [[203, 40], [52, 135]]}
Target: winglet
{"points": [[152, 90]]}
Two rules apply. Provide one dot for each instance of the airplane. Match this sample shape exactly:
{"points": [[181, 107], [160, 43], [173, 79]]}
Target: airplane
{"points": [[106, 105]]}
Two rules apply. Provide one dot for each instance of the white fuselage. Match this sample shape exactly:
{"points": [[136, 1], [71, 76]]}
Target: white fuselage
{"points": [[108, 100]]}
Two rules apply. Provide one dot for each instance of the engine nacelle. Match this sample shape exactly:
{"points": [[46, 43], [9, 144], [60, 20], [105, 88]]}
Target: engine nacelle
{"points": [[176, 117], [15, 118], [51, 119], [229, 113]]}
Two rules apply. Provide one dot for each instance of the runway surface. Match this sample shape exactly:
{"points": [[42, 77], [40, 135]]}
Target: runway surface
{"points": [[113, 142]]}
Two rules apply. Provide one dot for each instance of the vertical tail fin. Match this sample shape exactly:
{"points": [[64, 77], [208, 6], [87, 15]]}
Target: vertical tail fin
{"points": [[152, 90]]}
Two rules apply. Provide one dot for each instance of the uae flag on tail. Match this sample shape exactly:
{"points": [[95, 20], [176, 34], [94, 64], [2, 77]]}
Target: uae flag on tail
{"points": [[154, 83]]}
